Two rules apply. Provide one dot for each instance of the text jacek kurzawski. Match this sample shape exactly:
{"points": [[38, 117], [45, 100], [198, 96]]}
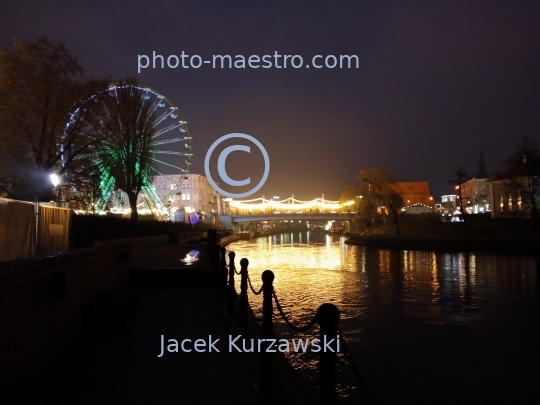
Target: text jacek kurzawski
{"points": [[237, 344]]}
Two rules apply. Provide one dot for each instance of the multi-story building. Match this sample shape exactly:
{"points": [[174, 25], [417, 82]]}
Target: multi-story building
{"points": [[475, 193], [193, 194]]}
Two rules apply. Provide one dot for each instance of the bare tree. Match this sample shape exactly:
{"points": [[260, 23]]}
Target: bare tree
{"points": [[395, 202], [40, 85], [373, 183]]}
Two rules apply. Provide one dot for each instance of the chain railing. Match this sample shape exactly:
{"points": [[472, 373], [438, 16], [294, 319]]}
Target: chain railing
{"points": [[304, 328], [253, 289], [327, 317]]}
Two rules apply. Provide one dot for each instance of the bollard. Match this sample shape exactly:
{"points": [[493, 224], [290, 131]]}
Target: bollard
{"points": [[267, 374], [328, 319], [243, 296], [231, 290], [223, 265]]}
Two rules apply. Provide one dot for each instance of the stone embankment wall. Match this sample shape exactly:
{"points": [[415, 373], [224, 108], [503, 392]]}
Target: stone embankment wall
{"points": [[42, 301]]}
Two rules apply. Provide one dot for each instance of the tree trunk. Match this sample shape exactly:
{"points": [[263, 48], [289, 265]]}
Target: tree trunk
{"points": [[133, 205], [396, 220]]}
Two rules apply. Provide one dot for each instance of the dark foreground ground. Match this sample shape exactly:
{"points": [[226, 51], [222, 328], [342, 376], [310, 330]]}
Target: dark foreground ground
{"points": [[124, 367], [118, 363]]}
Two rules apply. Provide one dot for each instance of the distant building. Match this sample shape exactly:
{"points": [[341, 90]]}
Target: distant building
{"points": [[449, 204], [476, 192], [511, 198], [193, 195], [476, 196], [416, 197]]}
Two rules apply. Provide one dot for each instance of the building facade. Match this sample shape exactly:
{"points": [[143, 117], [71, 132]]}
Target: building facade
{"points": [[193, 195], [416, 197], [511, 197], [476, 196]]}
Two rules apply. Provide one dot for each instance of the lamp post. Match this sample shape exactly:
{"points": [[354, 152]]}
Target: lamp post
{"points": [[55, 180]]}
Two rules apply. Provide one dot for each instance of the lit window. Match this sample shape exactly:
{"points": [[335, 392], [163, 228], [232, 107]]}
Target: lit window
{"points": [[187, 198]]}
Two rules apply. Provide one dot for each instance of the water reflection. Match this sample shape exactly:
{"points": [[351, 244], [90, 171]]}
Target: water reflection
{"points": [[434, 312]]}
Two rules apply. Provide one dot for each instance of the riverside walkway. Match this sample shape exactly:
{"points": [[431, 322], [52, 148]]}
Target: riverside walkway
{"points": [[122, 366]]}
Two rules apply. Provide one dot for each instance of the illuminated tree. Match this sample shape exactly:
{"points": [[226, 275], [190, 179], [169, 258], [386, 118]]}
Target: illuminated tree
{"points": [[127, 124]]}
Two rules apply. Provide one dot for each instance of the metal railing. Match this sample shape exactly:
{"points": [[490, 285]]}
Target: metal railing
{"points": [[327, 318]]}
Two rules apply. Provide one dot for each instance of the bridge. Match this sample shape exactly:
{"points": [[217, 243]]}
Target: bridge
{"points": [[290, 209], [329, 216]]}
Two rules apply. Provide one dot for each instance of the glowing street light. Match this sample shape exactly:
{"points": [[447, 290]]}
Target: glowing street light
{"points": [[55, 180]]}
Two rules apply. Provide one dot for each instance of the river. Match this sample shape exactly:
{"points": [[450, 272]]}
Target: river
{"points": [[423, 327]]}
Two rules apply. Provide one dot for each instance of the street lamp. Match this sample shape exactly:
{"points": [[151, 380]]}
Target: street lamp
{"points": [[55, 180]]}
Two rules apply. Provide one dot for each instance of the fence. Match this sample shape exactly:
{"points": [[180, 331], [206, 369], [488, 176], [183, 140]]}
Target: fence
{"points": [[29, 228], [327, 318]]}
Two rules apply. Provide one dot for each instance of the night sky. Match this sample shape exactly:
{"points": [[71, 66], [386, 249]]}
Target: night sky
{"points": [[437, 80]]}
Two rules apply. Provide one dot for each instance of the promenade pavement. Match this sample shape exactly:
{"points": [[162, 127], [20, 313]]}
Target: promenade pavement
{"points": [[123, 367]]}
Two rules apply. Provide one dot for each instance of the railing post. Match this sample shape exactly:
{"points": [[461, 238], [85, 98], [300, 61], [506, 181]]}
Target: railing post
{"points": [[267, 374], [328, 319], [223, 268], [231, 290], [243, 296]]}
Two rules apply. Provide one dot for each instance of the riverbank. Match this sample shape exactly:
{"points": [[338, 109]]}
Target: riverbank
{"points": [[490, 236], [120, 363]]}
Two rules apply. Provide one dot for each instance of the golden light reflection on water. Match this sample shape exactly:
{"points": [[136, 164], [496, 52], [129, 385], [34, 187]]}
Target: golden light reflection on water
{"points": [[313, 268], [388, 295], [307, 268]]}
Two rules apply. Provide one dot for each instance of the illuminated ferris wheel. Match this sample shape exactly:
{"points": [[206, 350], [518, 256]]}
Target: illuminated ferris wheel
{"points": [[170, 151]]}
